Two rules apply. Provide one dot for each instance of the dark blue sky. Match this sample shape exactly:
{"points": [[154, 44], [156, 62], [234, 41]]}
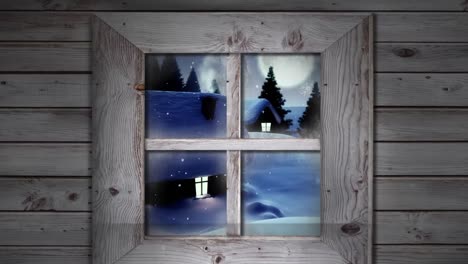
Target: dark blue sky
{"points": [[299, 72]]}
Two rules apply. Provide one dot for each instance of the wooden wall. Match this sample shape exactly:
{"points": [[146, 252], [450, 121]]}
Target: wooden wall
{"points": [[421, 162]]}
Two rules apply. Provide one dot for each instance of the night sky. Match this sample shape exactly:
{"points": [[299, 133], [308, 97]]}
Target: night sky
{"points": [[306, 67]]}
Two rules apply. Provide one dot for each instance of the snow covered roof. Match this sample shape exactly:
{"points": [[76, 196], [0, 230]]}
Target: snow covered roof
{"points": [[253, 108]]}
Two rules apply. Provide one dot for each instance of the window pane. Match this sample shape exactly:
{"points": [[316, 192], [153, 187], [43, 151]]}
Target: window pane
{"points": [[281, 193], [185, 96], [185, 193], [281, 96]]}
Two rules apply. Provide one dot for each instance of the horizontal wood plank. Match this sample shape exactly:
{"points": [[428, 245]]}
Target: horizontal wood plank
{"points": [[45, 255], [24, 159], [45, 57], [421, 159], [45, 125], [421, 57], [403, 27], [232, 250], [44, 194], [259, 5], [410, 124], [233, 32], [421, 254], [233, 144], [422, 27], [27, 26], [45, 90], [421, 193], [45, 229], [421, 228], [391, 57], [421, 89]]}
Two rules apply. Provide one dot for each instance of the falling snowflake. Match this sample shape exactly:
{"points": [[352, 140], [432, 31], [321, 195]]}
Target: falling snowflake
{"points": [[182, 160]]}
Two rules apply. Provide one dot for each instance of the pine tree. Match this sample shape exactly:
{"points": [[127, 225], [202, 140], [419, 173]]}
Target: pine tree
{"points": [[272, 93], [171, 78], [192, 84], [309, 122], [153, 73], [215, 87]]}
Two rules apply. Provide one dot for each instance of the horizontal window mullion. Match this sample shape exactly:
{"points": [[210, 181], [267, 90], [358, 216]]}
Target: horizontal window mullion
{"points": [[234, 144]]}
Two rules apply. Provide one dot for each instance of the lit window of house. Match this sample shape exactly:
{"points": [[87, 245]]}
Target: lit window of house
{"points": [[266, 127], [201, 187]]}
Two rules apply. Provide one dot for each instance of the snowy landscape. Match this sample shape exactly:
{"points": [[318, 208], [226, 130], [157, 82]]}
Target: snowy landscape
{"points": [[186, 191]]}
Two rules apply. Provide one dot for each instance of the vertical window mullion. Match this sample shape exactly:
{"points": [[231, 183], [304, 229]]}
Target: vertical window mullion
{"points": [[233, 95]]}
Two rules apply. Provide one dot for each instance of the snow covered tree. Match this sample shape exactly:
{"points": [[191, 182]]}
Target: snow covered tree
{"points": [[272, 93], [192, 84], [153, 73], [171, 78], [309, 122], [215, 87]]}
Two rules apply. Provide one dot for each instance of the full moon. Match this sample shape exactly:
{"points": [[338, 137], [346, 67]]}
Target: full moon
{"points": [[290, 70]]}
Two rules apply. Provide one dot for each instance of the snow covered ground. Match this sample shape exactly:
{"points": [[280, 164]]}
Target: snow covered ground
{"points": [[281, 193], [179, 115], [281, 190]]}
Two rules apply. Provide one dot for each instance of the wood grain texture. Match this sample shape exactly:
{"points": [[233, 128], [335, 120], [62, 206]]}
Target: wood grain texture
{"points": [[27, 26], [421, 89], [421, 159], [45, 125], [346, 123], [45, 255], [234, 128], [118, 138], [244, 5], [410, 124], [421, 254], [45, 56], [45, 90], [421, 193], [208, 251], [422, 27], [233, 144], [233, 197], [422, 57], [34, 159], [233, 91], [45, 229], [231, 32], [45, 194], [421, 228]]}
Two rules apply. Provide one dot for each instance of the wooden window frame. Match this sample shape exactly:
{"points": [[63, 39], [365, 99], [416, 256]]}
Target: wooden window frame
{"points": [[345, 42]]}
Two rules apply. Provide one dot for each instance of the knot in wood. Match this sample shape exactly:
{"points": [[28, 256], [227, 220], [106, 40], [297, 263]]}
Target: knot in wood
{"points": [[237, 39], [293, 40], [351, 229], [404, 52], [113, 191], [139, 87], [218, 259], [73, 197]]}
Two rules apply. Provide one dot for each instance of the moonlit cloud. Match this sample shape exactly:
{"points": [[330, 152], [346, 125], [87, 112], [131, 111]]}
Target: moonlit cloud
{"points": [[212, 67], [290, 70]]}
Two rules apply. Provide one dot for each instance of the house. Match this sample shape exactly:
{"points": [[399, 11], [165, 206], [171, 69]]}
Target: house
{"points": [[260, 116], [166, 192]]}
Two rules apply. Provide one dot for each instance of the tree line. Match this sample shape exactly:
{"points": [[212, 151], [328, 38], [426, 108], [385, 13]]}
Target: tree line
{"points": [[168, 77], [309, 122]]}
